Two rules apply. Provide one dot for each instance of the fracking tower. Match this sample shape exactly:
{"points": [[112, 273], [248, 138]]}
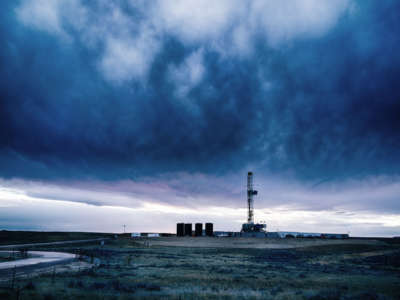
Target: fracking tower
{"points": [[250, 226], [250, 193]]}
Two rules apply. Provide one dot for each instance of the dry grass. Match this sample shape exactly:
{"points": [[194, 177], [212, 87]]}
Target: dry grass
{"points": [[300, 269], [257, 243], [23, 237]]}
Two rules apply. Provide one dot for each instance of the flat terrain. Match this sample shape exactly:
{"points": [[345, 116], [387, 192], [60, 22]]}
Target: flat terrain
{"points": [[25, 237], [34, 245], [218, 268], [258, 243]]}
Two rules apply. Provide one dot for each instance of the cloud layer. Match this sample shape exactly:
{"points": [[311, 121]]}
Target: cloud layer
{"points": [[110, 89], [23, 207], [114, 91]]}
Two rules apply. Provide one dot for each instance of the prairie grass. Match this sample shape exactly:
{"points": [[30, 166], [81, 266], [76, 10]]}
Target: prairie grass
{"points": [[129, 270]]}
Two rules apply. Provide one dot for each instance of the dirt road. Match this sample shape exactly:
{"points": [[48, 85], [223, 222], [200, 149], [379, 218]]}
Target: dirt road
{"points": [[43, 261], [38, 257]]}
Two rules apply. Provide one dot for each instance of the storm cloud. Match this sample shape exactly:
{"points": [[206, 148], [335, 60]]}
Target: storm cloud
{"points": [[137, 91]]}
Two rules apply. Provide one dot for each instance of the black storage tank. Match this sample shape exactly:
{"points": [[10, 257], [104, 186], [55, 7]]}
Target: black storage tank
{"points": [[198, 229], [209, 229], [180, 229], [188, 229]]}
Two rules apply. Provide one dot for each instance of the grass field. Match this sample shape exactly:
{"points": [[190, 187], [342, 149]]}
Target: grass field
{"points": [[222, 268], [25, 237]]}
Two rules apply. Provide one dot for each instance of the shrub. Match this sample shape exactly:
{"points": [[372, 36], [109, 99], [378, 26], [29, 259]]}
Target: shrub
{"points": [[79, 284], [153, 287], [302, 275], [116, 285], [48, 297], [366, 296], [149, 287], [98, 285], [276, 290], [327, 294], [5, 295], [30, 286]]}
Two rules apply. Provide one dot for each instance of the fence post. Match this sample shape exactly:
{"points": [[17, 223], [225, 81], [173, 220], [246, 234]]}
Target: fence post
{"points": [[53, 275], [14, 273], [18, 292]]}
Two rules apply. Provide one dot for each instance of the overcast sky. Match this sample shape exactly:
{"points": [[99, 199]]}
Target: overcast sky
{"points": [[148, 113]]}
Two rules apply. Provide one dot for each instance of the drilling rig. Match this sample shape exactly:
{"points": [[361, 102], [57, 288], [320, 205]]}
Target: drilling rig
{"points": [[250, 226]]}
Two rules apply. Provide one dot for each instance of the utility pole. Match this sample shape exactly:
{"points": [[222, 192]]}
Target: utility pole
{"points": [[124, 227]]}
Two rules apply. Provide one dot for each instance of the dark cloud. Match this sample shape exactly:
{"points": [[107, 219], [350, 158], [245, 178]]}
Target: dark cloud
{"points": [[316, 107]]}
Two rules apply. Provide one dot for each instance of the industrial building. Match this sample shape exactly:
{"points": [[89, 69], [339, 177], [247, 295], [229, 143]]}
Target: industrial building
{"points": [[294, 234], [147, 234]]}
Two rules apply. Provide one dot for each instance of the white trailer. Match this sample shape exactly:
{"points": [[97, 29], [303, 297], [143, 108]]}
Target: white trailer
{"points": [[153, 235]]}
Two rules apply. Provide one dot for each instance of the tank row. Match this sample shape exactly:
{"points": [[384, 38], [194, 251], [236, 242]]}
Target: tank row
{"points": [[185, 229]]}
